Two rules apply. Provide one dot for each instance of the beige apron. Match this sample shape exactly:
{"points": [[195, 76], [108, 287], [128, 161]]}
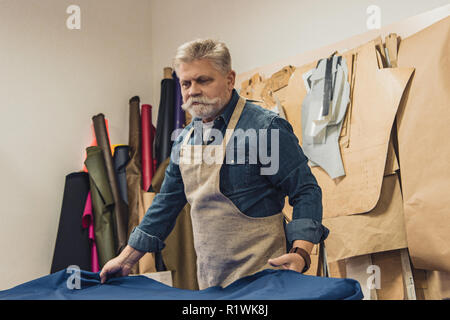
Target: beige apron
{"points": [[229, 244]]}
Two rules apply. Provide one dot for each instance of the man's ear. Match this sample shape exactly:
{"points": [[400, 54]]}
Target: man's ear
{"points": [[231, 78]]}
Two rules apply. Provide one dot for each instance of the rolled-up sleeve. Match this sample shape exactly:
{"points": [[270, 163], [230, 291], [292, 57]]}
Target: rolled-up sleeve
{"points": [[295, 179], [160, 218]]}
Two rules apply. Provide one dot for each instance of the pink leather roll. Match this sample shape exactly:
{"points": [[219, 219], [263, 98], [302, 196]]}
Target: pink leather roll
{"points": [[88, 222], [148, 134]]}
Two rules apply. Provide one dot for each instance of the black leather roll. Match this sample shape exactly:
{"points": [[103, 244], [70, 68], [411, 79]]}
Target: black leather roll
{"points": [[164, 125], [72, 240]]}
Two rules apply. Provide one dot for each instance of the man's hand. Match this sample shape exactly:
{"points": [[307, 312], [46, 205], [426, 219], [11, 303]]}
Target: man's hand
{"points": [[122, 264], [289, 261], [114, 267], [293, 261]]}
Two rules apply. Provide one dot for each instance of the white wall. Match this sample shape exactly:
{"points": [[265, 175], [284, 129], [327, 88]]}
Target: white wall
{"points": [[260, 32], [53, 80]]}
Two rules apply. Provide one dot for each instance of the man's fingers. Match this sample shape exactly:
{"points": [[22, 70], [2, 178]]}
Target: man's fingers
{"points": [[103, 274], [107, 270]]}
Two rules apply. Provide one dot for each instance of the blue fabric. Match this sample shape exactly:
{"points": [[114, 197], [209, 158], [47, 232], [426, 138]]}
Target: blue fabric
{"points": [[268, 284], [254, 194]]}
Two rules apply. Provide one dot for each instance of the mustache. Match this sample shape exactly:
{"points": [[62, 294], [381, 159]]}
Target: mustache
{"points": [[200, 100]]}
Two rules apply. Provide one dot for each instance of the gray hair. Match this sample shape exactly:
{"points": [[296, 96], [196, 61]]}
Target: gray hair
{"points": [[215, 51]]}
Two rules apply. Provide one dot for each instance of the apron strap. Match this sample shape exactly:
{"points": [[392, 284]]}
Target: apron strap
{"points": [[233, 121], [187, 136]]}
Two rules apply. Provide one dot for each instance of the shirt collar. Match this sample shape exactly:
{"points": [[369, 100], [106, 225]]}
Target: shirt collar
{"points": [[228, 110]]}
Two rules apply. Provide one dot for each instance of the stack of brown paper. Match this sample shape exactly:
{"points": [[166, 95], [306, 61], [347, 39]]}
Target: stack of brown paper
{"points": [[370, 211], [424, 152], [376, 96], [395, 192], [367, 152], [381, 229]]}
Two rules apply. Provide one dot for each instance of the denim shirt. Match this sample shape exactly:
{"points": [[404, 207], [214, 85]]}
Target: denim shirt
{"points": [[241, 180]]}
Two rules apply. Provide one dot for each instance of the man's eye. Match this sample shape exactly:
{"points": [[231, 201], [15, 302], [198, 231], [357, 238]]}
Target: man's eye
{"points": [[185, 85]]}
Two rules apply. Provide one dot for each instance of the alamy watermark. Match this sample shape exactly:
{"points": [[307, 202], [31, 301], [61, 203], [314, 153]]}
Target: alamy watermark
{"points": [[73, 22], [374, 280], [74, 280], [374, 19], [256, 141]]}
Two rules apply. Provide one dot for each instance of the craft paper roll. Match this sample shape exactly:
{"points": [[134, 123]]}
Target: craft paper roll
{"points": [[133, 168]]}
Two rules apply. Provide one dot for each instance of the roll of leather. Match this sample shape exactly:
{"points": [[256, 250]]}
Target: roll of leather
{"points": [[179, 114], [120, 207], [72, 241], [164, 125], [179, 254], [88, 223], [133, 168], [148, 133], [114, 146], [158, 177], [121, 159], [147, 263], [94, 140], [102, 203]]}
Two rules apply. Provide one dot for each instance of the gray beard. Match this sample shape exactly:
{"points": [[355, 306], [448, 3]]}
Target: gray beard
{"points": [[207, 108]]}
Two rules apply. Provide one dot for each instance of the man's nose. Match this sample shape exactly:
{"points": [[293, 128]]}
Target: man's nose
{"points": [[194, 90]]}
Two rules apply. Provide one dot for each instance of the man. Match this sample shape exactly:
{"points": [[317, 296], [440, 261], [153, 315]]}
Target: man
{"points": [[236, 210]]}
